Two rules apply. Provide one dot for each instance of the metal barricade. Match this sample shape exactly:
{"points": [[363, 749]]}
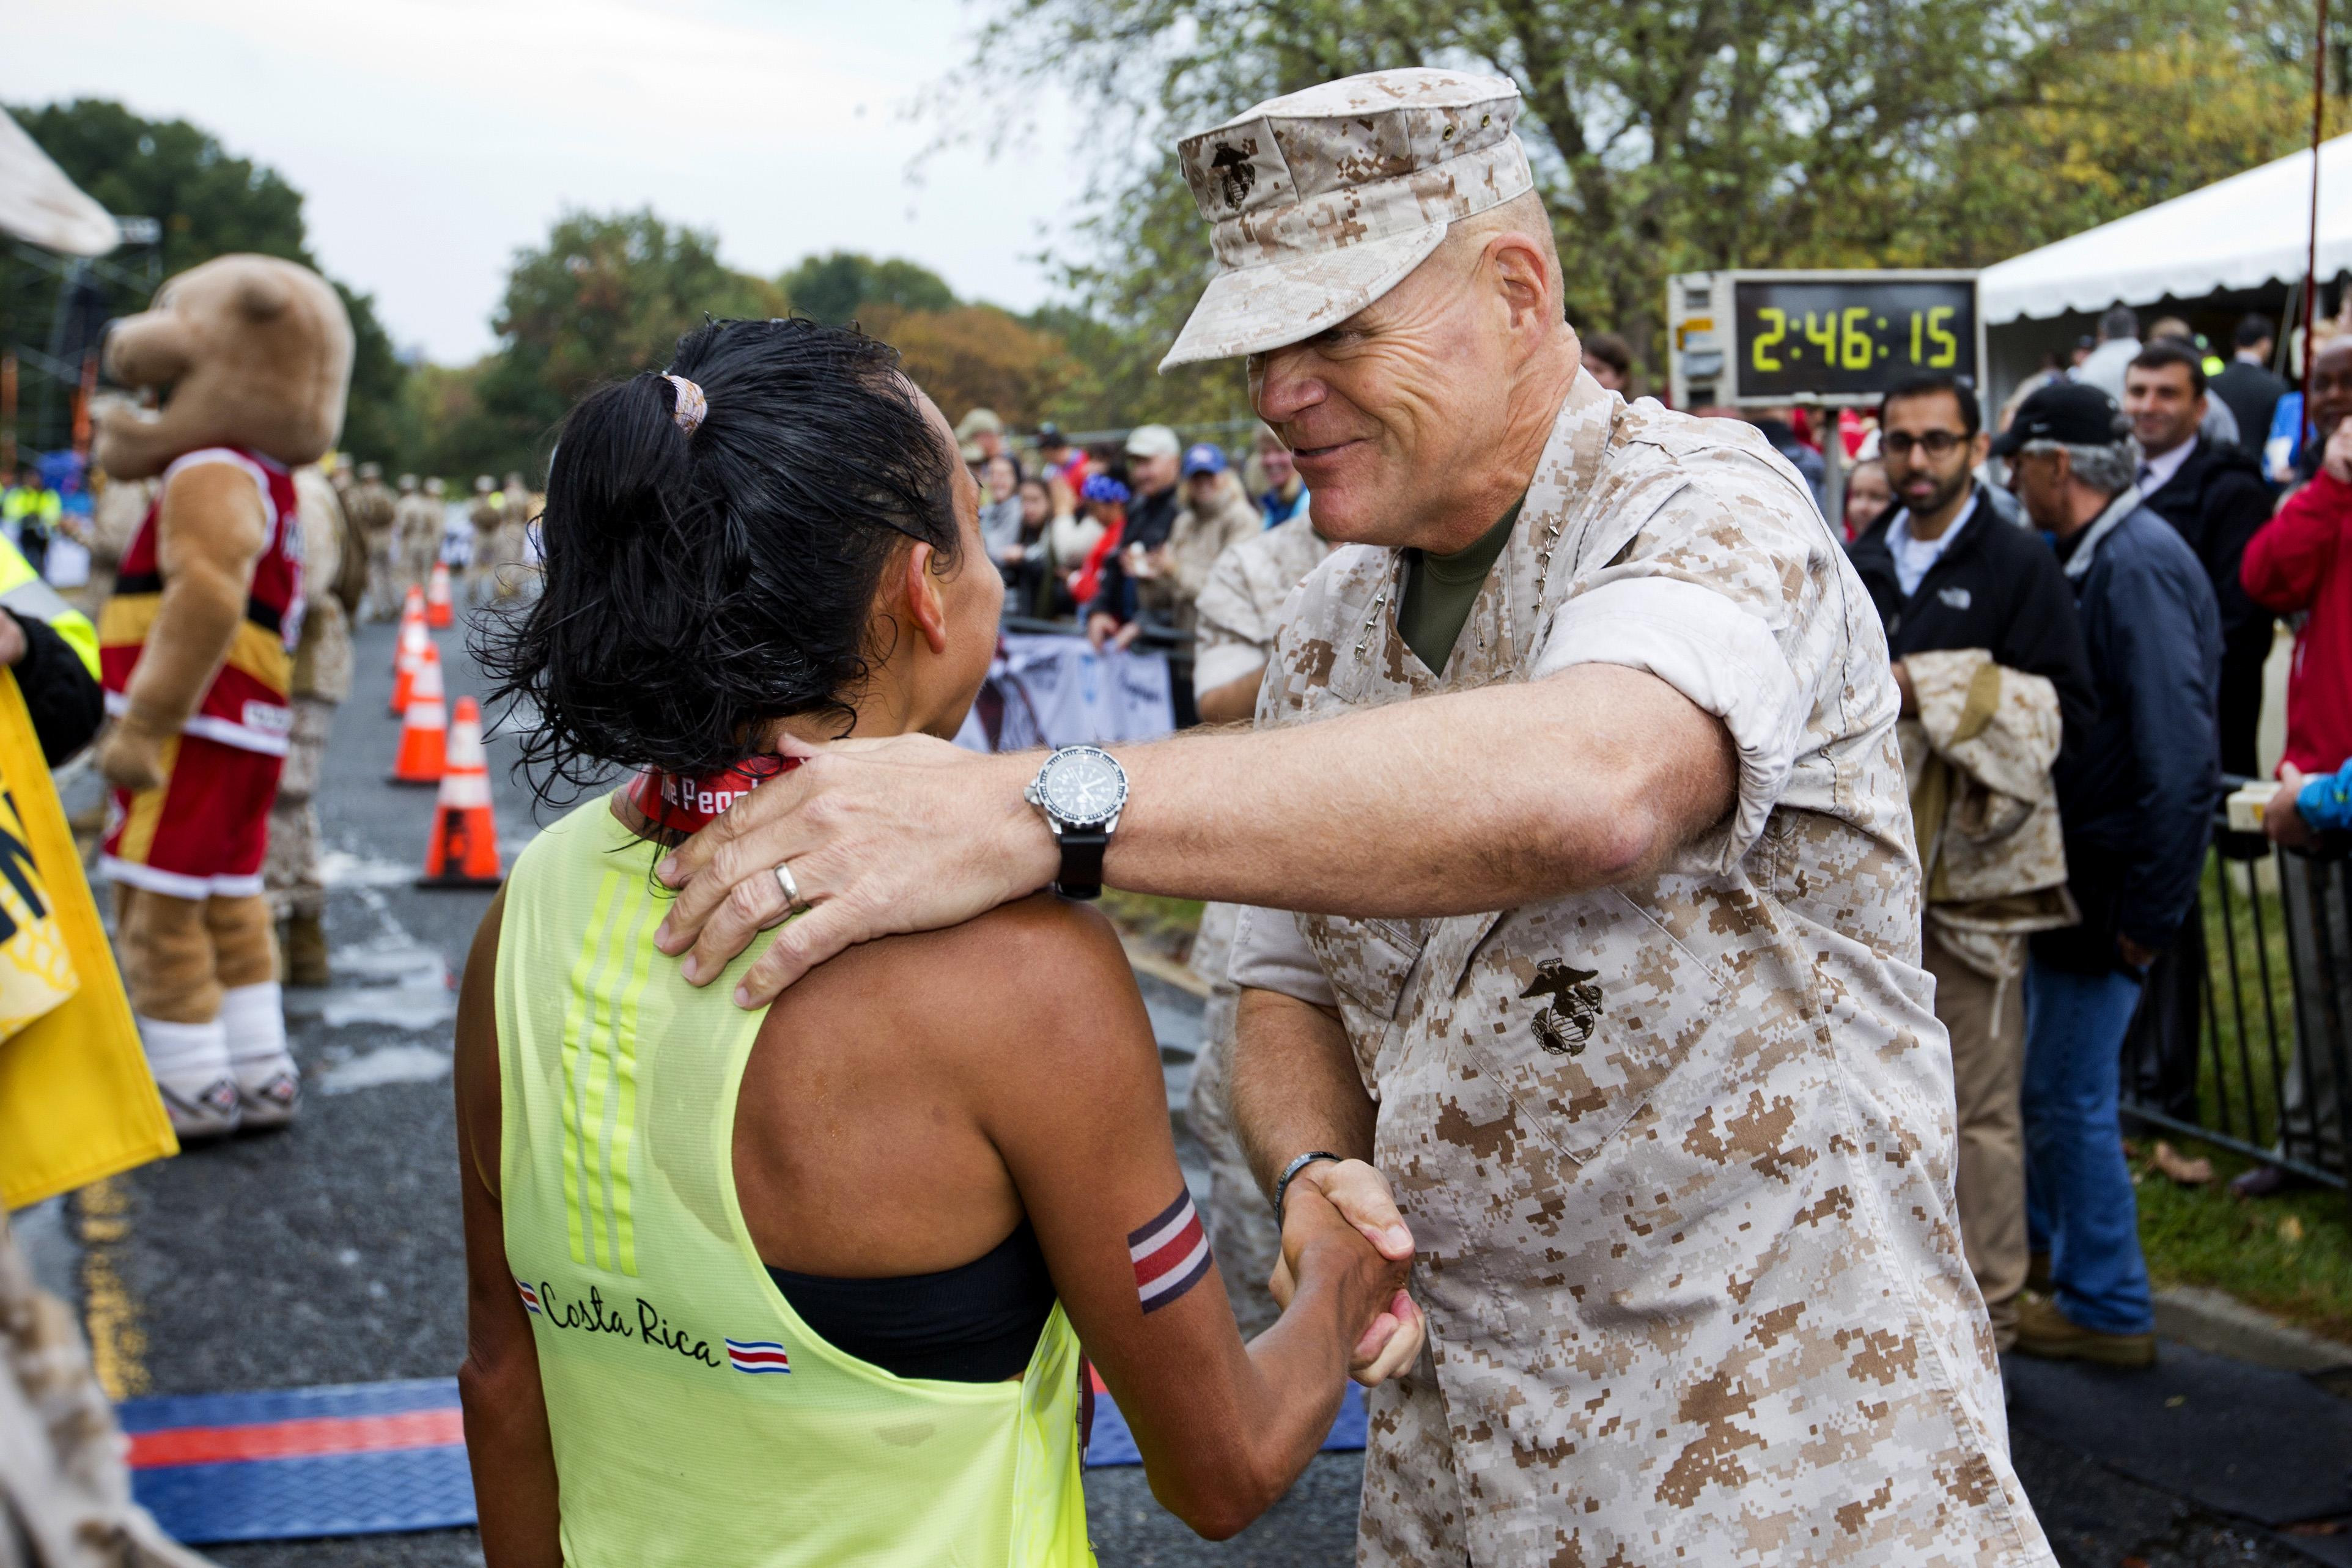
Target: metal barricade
{"points": [[2262, 982]]}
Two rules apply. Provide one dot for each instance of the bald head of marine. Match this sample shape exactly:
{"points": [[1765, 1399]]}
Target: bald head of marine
{"points": [[1390, 275]]}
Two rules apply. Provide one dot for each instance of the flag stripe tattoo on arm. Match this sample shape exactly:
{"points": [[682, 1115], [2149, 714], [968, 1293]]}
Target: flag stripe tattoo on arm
{"points": [[1171, 1254]]}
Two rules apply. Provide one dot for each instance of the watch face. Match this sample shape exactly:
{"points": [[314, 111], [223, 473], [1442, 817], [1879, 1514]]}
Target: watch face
{"points": [[1085, 786]]}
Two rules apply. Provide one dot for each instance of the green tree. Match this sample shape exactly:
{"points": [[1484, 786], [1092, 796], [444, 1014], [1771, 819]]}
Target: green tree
{"points": [[606, 297], [207, 202], [1673, 135], [976, 355], [835, 287]]}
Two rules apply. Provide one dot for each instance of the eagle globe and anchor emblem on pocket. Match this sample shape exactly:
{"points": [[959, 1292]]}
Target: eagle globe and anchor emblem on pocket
{"points": [[1571, 1009]]}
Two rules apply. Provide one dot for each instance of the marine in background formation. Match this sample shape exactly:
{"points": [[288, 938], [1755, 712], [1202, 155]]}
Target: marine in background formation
{"points": [[368, 506], [334, 580], [509, 542], [417, 525], [488, 516]]}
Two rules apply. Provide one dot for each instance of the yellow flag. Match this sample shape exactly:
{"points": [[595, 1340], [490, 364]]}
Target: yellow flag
{"points": [[37, 968], [77, 1102]]}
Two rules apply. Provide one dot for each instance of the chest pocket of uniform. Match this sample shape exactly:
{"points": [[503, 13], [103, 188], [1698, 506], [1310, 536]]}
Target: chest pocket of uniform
{"points": [[1581, 1009], [1367, 961]]}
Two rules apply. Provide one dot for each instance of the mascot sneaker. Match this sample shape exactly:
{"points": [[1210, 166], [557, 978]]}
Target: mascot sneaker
{"points": [[190, 1061], [269, 1084]]}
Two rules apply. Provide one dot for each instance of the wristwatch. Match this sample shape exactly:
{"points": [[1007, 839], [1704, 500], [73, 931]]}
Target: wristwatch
{"points": [[1081, 790]]}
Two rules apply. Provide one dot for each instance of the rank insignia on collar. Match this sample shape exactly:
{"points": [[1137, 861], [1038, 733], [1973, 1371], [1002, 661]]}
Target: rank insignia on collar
{"points": [[1567, 1021]]}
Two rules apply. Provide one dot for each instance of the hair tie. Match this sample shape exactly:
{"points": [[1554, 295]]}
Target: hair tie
{"points": [[691, 406]]}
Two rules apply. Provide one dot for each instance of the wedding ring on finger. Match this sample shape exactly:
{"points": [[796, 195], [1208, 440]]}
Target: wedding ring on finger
{"points": [[793, 903]]}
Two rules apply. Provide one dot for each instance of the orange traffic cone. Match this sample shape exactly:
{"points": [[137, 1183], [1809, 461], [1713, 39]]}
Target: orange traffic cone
{"points": [[464, 849], [411, 613], [413, 640], [439, 611], [424, 727]]}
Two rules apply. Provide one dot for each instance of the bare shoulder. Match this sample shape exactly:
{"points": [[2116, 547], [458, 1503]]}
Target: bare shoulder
{"points": [[1031, 988]]}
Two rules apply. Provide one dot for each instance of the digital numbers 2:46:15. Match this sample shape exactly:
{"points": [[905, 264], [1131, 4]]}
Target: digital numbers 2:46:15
{"points": [[1848, 340]]}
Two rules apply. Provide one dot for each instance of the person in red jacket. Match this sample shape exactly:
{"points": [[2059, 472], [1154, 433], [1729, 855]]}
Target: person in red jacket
{"points": [[2297, 563]]}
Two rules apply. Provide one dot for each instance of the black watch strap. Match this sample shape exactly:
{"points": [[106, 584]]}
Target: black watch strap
{"points": [[1082, 858]]}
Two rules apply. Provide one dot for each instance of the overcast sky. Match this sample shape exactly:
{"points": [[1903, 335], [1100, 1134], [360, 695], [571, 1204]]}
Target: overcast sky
{"points": [[433, 137]]}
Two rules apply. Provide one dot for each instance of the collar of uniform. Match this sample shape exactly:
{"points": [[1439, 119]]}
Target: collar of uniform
{"points": [[1501, 629], [1543, 550]]}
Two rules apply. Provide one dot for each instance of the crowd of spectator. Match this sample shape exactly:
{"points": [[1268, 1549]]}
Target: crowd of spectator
{"points": [[1120, 537], [2080, 606]]}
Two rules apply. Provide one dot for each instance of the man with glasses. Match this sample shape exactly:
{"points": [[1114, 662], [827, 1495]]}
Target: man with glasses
{"points": [[1989, 662]]}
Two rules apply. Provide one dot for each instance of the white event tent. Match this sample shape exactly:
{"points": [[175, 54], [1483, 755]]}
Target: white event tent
{"points": [[2241, 237], [2246, 231], [38, 204]]}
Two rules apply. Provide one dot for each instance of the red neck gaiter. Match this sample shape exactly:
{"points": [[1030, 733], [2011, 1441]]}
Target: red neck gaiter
{"points": [[680, 804]]}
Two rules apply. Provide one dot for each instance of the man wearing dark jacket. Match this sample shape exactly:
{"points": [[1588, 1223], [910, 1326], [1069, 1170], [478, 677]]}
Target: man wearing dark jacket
{"points": [[2136, 798], [2215, 497], [1970, 586], [2214, 493], [1949, 573], [2248, 386]]}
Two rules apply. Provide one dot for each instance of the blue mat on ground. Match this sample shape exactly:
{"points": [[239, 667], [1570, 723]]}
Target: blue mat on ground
{"points": [[375, 1458]]}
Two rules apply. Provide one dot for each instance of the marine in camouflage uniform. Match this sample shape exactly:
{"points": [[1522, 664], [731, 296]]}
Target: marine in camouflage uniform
{"points": [[487, 513], [1239, 612], [507, 544], [368, 505], [1678, 1154], [334, 580], [418, 521]]}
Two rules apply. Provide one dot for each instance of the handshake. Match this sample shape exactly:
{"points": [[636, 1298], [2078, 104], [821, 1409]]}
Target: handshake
{"points": [[1340, 1224]]}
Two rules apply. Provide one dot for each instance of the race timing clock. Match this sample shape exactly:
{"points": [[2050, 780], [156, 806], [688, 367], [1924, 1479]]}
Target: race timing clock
{"points": [[1822, 337]]}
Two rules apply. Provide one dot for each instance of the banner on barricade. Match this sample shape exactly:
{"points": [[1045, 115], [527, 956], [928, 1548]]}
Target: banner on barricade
{"points": [[1054, 690]]}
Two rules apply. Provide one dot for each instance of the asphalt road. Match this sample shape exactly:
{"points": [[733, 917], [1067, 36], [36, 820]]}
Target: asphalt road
{"points": [[331, 1253]]}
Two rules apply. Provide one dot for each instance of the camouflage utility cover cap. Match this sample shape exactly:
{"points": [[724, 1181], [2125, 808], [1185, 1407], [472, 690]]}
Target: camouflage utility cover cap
{"points": [[1324, 200]]}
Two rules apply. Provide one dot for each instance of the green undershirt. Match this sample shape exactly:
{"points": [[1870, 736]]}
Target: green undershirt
{"points": [[1439, 590]]}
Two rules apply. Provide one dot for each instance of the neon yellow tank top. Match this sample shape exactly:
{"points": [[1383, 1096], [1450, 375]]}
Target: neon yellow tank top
{"points": [[696, 1421]]}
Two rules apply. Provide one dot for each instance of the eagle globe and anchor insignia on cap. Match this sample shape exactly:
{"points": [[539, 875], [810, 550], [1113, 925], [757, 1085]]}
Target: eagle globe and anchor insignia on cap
{"points": [[1235, 168], [1572, 1012]]}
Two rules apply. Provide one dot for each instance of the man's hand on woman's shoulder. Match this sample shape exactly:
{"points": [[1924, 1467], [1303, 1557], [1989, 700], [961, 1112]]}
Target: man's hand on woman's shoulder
{"points": [[864, 825]]}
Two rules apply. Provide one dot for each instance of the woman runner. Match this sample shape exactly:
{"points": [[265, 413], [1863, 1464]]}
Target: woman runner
{"points": [[808, 1287]]}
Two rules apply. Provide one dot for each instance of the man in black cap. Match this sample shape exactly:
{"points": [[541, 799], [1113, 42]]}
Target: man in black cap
{"points": [[2136, 798]]}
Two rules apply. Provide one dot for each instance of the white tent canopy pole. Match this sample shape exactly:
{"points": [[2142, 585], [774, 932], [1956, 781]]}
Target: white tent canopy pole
{"points": [[2242, 232], [38, 204]]}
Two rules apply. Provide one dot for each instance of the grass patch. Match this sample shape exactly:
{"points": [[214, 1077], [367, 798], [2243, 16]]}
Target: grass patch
{"points": [[2290, 1255]]}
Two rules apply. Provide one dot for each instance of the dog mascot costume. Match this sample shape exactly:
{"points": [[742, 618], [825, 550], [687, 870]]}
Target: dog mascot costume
{"points": [[251, 358]]}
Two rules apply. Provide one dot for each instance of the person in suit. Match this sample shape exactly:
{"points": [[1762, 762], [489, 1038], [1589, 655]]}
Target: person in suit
{"points": [[2249, 386]]}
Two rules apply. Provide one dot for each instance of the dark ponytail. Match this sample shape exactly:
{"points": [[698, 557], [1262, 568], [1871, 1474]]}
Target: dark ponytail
{"points": [[700, 586]]}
